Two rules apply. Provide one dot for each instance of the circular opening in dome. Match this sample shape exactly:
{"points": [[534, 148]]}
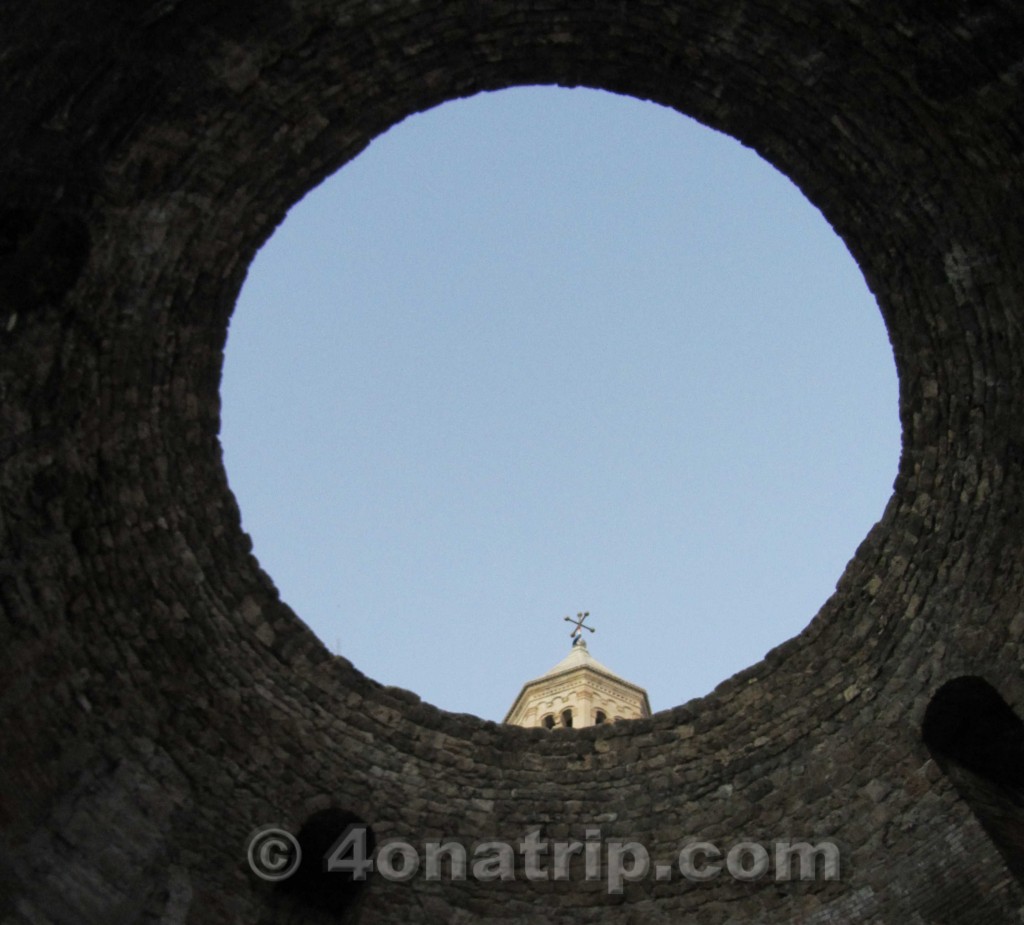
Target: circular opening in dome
{"points": [[542, 350]]}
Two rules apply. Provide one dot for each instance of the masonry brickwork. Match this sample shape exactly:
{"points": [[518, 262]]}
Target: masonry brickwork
{"points": [[158, 701]]}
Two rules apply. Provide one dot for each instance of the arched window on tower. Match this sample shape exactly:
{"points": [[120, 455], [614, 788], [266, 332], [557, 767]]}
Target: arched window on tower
{"points": [[548, 722], [600, 717], [567, 719], [978, 740]]}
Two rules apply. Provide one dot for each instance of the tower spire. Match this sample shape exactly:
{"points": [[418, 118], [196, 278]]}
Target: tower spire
{"points": [[578, 691]]}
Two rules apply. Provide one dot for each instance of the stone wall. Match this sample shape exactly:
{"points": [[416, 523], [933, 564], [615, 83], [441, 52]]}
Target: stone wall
{"points": [[158, 701]]}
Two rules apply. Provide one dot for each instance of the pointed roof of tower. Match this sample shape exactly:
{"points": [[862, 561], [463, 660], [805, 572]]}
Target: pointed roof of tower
{"points": [[579, 657], [579, 660]]}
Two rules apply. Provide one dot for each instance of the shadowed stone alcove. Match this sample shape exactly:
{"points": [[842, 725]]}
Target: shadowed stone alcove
{"points": [[158, 702]]}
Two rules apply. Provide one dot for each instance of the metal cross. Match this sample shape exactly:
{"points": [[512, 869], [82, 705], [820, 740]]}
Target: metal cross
{"points": [[578, 625]]}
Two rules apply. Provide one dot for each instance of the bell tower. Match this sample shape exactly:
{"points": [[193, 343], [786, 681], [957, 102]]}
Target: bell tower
{"points": [[578, 691]]}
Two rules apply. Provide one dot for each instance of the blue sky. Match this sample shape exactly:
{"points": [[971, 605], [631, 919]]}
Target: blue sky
{"points": [[548, 350]]}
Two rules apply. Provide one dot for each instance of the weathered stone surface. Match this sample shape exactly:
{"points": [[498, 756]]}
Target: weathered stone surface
{"points": [[158, 701]]}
